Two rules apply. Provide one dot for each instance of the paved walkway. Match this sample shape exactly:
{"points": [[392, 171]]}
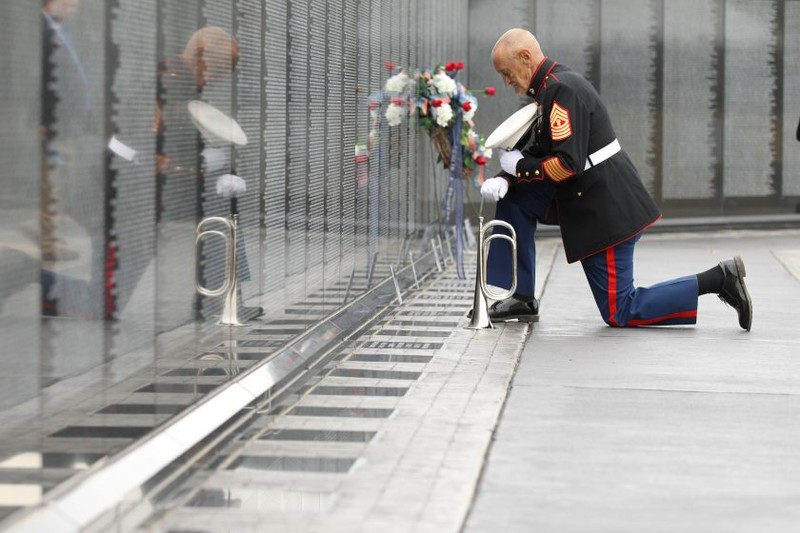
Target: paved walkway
{"points": [[655, 429]]}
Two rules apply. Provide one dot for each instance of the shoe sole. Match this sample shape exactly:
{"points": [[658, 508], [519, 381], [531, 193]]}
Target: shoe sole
{"points": [[741, 273], [525, 318]]}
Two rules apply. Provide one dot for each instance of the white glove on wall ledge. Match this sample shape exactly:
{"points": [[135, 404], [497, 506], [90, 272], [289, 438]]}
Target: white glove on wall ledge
{"points": [[494, 188], [509, 160], [230, 185]]}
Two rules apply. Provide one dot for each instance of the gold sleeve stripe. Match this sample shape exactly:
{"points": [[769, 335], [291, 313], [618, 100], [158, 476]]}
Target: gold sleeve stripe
{"points": [[555, 170], [560, 126]]}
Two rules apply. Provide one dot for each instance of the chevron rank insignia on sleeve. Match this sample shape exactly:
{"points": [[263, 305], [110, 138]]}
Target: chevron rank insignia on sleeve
{"points": [[560, 126], [556, 170]]}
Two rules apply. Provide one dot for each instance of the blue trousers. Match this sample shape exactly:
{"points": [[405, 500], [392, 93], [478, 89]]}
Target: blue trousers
{"points": [[609, 273]]}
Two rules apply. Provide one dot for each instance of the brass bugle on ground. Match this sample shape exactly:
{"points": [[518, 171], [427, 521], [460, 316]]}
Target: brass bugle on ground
{"points": [[230, 285], [480, 307]]}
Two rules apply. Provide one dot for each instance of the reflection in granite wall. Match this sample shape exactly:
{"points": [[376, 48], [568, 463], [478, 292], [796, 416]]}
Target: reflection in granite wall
{"points": [[791, 100], [691, 77], [131, 167], [178, 176], [486, 24], [316, 179], [349, 122], [217, 85], [334, 145], [751, 86], [248, 160], [76, 159], [76, 192], [628, 79], [20, 161], [132, 182], [275, 127], [298, 100], [577, 48], [363, 163]]}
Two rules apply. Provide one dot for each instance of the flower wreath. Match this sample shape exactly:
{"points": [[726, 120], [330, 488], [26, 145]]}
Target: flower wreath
{"points": [[436, 97]]}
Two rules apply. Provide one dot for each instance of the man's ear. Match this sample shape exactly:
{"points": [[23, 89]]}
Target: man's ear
{"points": [[525, 56]]}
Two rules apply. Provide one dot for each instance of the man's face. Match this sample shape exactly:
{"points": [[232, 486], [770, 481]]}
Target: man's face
{"points": [[515, 72]]}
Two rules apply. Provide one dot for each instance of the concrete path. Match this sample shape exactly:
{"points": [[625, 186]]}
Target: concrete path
{"points": [[656, 429]]}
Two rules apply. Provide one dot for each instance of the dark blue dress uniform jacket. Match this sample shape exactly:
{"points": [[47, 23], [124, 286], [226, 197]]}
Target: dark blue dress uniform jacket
{"points": [[598, 207]]}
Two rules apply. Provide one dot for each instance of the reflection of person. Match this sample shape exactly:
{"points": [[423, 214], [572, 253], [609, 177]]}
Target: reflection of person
{"points": [[574, 173], [209, 55], [208, 58], [54, 13], [54, 36]]}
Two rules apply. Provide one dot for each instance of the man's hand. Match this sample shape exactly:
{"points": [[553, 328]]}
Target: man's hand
{"points": [[494, 188], [509, 160]]}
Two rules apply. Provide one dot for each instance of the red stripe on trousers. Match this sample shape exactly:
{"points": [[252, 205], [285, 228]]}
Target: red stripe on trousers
{"points": [[611, 267], [647, 322]]}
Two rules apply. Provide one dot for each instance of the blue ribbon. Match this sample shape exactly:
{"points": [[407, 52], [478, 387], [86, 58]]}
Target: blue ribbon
{"points": [[456, 185]]}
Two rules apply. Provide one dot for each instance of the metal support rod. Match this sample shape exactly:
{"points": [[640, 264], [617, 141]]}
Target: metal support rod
{"points": [[349, 285], [402, 255], [413, 268], [449, 247], [371, 271], [468, 233], [396, 286], [436, 255]]}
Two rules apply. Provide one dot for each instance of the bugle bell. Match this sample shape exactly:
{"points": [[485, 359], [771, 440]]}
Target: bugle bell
{"points": [[480, 307], [230, 284]]}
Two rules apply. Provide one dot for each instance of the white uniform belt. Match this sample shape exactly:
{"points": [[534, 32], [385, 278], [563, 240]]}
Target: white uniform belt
{"points": [[602, 154]]}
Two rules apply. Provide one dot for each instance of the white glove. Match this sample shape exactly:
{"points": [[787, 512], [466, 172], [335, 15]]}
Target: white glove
{"points": [[230, 185], [509, 160], [494, 188]]}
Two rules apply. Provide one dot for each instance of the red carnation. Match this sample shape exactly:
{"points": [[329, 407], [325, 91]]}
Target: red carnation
{"points": [[437, 102], [489, 91], [459, 65], [466, 106], [389, 66], [449, 67], [480, 160]]}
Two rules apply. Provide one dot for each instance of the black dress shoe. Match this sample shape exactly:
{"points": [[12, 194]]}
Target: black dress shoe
{"points": [[734, 291], [250, 313], [512, 308]]}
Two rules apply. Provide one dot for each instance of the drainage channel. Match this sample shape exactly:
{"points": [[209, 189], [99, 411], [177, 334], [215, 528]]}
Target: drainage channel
{"points": [[293, 457]]}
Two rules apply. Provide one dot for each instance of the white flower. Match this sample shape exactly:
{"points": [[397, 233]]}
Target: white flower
{"points": [[397, 83], [394, 114], [443, 115], [444, 84], [487, 153]]}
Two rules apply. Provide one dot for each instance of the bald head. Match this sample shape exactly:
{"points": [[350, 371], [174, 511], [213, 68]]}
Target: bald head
{"points": [[211, 53], [515, 56]]}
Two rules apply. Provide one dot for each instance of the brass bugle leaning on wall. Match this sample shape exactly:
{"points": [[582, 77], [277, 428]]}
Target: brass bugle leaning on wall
{"points": [[480, 307], [230, 286]]}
